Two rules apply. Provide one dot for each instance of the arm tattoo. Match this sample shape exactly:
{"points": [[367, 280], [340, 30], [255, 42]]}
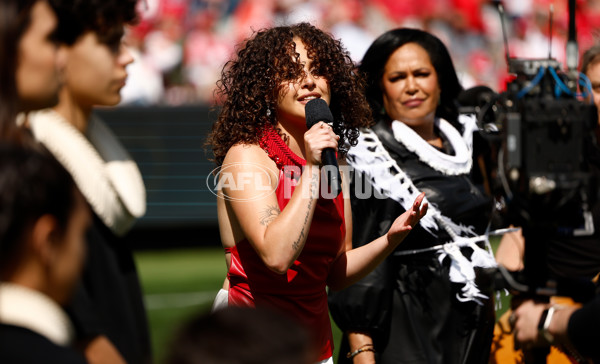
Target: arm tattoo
{"points": [[269, 214], [314, 184]]}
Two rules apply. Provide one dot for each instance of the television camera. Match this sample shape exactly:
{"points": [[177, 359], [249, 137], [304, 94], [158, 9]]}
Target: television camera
{"points": [[542, 129]]}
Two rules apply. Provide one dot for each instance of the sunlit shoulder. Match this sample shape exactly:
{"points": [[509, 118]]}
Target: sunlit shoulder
{"points": [[247, 170]]}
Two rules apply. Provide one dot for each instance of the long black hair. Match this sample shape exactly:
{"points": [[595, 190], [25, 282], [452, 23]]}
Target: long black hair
{"points": [[373, 64], [15, 18]]}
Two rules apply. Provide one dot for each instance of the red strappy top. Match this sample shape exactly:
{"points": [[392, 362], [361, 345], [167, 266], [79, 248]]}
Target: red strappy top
{"points": [[301, 291]]}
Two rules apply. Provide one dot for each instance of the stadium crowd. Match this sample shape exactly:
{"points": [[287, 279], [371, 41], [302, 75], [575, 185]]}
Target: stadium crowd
{"points": [[180, 46]]}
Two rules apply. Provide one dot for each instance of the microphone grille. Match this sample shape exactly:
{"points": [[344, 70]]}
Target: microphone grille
{"points": [[317, 110]]}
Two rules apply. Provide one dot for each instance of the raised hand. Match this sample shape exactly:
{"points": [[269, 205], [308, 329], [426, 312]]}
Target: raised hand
{"points": [[405, 222]]}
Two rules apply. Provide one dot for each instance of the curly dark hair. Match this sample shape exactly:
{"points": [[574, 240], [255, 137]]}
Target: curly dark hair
{"points": [[251, 82], [106, 18]]}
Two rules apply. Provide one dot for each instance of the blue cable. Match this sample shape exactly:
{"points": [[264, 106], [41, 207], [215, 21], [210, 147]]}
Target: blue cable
{"points": [[532, 84], [560, 85]]}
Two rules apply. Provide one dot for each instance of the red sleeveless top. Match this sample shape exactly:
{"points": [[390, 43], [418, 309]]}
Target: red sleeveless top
{"points": [[301, 291]]}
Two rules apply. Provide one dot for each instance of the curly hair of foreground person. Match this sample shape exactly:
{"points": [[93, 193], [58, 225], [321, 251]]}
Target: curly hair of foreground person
{"points": [[251, 83]]}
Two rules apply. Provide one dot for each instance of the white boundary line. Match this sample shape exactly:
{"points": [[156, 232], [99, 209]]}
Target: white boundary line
{"points": [[178, 300]]}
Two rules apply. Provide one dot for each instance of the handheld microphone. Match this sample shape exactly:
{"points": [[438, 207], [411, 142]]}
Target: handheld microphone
{"points": [[317, 110]]}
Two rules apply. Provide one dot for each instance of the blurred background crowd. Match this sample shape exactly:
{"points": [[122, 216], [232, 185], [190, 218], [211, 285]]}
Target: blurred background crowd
{"points": [[180, 46]]}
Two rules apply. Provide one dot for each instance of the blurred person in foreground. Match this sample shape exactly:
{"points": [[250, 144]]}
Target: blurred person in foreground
{"points": [[572, 327], [285, 236], [43, 221], [426, 303], [107, 307], [241, 335], [31, 63]]}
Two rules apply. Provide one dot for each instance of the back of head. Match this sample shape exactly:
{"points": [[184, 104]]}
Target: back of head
{"points": [[106, 18], [373, 64], [242, 335], [15, 16], [32, 184]]}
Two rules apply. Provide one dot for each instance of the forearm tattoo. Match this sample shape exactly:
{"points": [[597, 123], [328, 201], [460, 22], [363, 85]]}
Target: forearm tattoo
{"points": [[269, 214], [314, 185]]}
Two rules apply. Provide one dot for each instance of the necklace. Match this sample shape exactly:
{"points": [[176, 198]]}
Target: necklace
{"points": [[278, 151], [459, 163]]}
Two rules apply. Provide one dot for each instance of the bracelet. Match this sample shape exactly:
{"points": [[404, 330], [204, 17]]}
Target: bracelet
{"points": [[544, 324], [362, 349]]}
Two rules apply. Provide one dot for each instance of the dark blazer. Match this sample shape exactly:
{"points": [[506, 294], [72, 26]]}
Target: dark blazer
{"points": [[19, 345]]}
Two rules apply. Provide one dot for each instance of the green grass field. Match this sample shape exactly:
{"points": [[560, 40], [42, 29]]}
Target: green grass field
{"points": [[180, 283], [177, 284]]}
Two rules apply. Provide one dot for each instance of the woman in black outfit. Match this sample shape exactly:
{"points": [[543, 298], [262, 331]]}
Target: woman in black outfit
{"points": [[425, 303]]}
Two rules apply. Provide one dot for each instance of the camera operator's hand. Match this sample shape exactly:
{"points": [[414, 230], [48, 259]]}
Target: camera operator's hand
{"points": [[525, 319], [527, 324]]}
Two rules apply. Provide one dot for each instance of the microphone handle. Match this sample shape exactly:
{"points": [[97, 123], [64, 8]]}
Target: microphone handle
{"points": [[332, 175]]}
